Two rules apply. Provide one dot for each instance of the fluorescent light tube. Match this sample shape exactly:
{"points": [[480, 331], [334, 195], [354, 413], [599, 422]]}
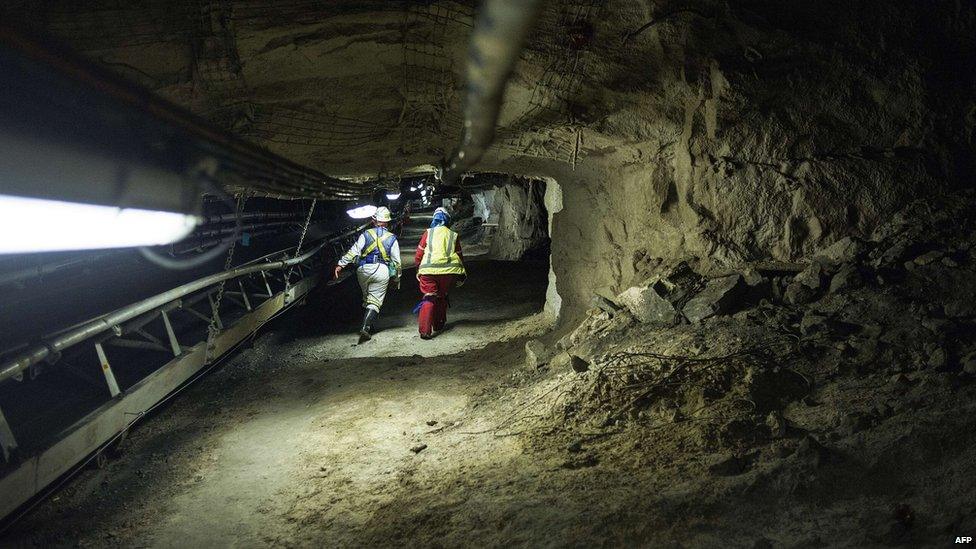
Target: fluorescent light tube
{"points": [[361, 212], [392, 196], [40, 225]]}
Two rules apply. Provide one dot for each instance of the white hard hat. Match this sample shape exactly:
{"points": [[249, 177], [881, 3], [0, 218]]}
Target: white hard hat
{"points": [[382, 214], [443, 211]]}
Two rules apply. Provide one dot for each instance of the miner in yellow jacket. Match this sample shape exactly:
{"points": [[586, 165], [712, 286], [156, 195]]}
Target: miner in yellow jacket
{"points": [[439, 265]]}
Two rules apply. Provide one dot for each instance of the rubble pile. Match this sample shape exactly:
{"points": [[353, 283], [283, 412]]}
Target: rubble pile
{"points": [[902, 303], [779, 373]]}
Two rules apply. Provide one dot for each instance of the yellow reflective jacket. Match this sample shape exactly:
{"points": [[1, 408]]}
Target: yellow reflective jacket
{"points": [[440, 256]]}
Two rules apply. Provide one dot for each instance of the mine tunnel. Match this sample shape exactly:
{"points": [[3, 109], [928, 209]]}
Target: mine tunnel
{"points": [[487, 273]]}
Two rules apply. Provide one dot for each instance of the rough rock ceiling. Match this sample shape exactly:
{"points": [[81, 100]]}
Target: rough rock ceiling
{"points": [[344, 87]]}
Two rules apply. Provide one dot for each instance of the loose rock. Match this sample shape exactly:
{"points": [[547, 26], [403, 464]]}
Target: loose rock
{"points": [[968, 363], [798, 294], [813, 323], [777, 424], [566, 360], [536, 354], [604, 304], [927, 258], [812, 276], [844, 250], [647, 306], [937, 358], [847, 277], [718, 297]]}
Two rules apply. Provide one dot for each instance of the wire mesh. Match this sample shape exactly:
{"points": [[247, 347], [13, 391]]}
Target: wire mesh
{"points": [[564, 32], [321, 129], [431, 103]]}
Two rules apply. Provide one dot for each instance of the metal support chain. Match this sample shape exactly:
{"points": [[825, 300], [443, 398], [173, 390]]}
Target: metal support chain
{"points": [[214, 328], [301, 240]]}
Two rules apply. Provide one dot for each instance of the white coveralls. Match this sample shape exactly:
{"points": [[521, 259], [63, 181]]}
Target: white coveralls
{"points": [[374, 278]]}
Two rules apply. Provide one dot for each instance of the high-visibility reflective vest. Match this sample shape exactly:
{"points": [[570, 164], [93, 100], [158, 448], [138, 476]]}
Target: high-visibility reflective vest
{"points": [[439, 255], [379, 246]]}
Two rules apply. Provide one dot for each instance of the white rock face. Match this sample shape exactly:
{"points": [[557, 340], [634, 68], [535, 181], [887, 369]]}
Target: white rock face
{"points": [[646, 305], [554, 205], [483, 205], [521, 221], [844, 250]]}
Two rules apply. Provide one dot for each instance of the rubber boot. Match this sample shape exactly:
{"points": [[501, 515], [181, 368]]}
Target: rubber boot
{"points": [[365, 331]]}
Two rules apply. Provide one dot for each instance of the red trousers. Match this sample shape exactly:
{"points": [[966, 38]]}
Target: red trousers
{"points": [[433, 310]]}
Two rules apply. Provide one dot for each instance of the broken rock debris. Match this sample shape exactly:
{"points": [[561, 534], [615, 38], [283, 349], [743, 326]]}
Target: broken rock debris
{"points": [[720, 296], [646, 305]]}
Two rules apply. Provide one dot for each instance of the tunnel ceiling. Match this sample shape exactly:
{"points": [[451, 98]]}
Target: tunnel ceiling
{"points": [[353, 86], [729, 130]]}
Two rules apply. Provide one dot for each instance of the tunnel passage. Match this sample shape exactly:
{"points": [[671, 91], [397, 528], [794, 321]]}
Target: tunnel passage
{"points": [[505, 242], [761, 261], [303, 398]]}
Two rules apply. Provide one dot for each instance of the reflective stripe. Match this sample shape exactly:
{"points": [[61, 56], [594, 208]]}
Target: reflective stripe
{"points": [[440, 255], [430, 238]]}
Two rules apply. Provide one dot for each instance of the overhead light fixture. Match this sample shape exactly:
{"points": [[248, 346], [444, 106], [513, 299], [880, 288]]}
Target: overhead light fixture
{"points": [[413, 189], [59, 198], [392, 196], [41, 225], [118, 182], [361, 212]]}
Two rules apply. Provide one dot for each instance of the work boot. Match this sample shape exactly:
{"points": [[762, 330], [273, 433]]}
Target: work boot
{"points": [[365, 331]]}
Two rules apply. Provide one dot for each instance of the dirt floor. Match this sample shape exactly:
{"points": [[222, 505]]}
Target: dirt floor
{"points": [[305, 436]]}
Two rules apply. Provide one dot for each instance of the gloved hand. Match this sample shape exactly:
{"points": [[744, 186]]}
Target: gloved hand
{"points": [[460, 280]]}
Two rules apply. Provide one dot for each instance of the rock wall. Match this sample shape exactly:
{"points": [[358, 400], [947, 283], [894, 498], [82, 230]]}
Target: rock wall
{"points": [[522, 222], [729, 134], [722, 131]]}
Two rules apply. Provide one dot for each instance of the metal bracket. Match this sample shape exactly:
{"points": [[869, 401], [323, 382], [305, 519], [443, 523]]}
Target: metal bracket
{"points": [[113, 386], [149, 337], [247, 301], [233, 297], [173, 342], [8, 444], [136, 344], [267, 285]]}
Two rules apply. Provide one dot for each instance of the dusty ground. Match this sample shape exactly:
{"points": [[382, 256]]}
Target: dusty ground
{"points": [[301, 439]]}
